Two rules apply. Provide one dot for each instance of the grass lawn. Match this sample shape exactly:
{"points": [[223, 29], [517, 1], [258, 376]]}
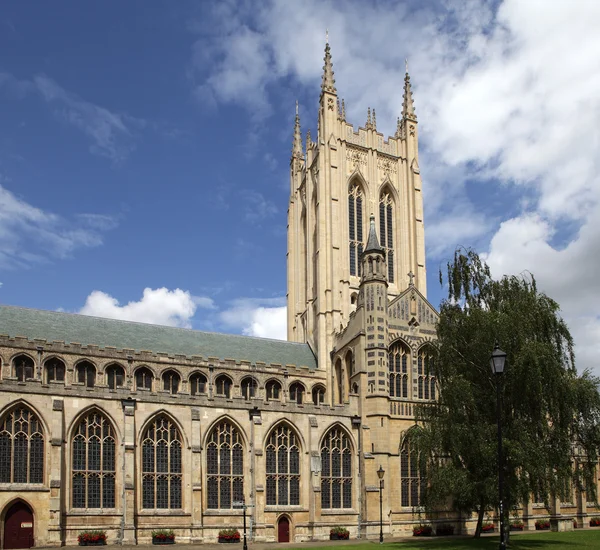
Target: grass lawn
{"points": [[518, 541]]}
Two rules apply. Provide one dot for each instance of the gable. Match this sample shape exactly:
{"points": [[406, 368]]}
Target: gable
{"points": [[412, 308]]}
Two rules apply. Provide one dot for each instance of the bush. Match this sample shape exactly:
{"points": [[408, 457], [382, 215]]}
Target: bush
{"points": [[595, 522], [339, 532], [517, 525], [487, 527], [163, 534], [91, 536], [444, 530], [422, 531], [229, 534], [542, 524]]}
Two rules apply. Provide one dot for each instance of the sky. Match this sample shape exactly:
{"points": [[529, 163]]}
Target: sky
{"points": [[145, 146]]}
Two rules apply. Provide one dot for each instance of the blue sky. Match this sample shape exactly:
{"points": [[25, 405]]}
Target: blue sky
{"points": [[144, 147]]}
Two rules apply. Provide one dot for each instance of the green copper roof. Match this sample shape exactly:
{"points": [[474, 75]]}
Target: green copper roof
{"points": [[69, 328]]}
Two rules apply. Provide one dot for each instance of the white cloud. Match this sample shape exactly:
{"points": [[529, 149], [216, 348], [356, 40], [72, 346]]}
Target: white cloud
{"points": [[256, 207], [159, 306], [30, 235], [266, 318]]}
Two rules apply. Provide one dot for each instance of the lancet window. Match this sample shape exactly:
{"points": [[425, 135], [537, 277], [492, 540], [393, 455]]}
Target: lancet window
{"points": [[283, 467], [249, 388], [171, 381], [161, 465], [297, 393], [115, 377], [336, 470], [21, 447], [318, 395], [23, 367], [398, 367], [412, 483], [197, 384], [223, 386], [143, 378], [386, 231], [273, 390], [355, 228], [86, 374], [55, 370], [426, 380], [224, 467], [93, 474]]}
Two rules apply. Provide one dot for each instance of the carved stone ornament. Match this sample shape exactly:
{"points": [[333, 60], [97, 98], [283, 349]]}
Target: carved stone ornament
{"points": [[356, 158]]}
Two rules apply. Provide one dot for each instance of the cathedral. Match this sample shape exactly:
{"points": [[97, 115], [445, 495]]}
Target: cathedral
{"points": [[128, 427]]}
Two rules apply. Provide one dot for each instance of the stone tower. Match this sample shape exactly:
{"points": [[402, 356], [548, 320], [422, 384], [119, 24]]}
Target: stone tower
{"points": [[344, 177]]}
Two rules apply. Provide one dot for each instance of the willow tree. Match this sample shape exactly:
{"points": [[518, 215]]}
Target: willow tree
{"points": [[550, 414]]}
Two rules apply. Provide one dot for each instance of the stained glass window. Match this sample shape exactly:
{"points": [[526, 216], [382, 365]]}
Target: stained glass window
{"points": [[273, 389], [425, 370], [197, 384], [23, 367], [336, 470], [86, 374], [283, 467], [115, 377], [355, 228], [161, 465], [398, 370], [411, 480], [171, 381], [55, 370], [93, 460], [386, 231], [224, 466], [21, 447]]}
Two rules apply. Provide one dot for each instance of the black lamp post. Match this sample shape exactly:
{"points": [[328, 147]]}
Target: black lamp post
{"points": [[497, 361], [245, 541], [380, 474]]}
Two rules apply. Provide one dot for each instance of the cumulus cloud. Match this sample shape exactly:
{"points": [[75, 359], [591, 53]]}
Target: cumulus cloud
{"points": [[159, 306], [266, 318]]}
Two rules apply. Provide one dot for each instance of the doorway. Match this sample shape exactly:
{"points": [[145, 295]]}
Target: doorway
{"points": [[18, 526], [283, 529]]}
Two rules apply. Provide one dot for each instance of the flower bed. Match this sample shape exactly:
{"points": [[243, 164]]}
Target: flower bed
{"points": [[487, 527], [422, 531], [229, 536], [163, 536], [444, 530], [595, 522], [339, 533], [92, 538], [542, 525], [517, 526]]}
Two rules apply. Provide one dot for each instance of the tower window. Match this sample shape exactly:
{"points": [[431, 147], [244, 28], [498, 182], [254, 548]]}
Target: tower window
{"points": [[398, 368], [355, 228], [386, 231], [426, 380]]}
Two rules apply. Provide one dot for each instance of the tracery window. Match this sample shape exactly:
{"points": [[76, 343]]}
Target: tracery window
{"points": [[249, 388], [171, 381], [161, 465], [224, 466], [297, 393], [55, 370], [21, 447], [398, 367], [336, 470], [143, 379], [273, 390], [23, 367], [94, 463], [197, 384], [283, 467], [86, 374], [386, 231], [318, 395], [115, 377], [412, 483], [355, 227], [223, 386], [425, 364]]}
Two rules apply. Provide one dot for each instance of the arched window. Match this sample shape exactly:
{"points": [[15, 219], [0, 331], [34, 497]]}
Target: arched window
{"points": [[55, 370], [94, 463], [355, 227], [143, 379], [115, 377], [318, 395], [411, 481], [273, 390], [398, 367], [283, 467], [197, 384], [223, 386], [86, 374], [339, 383], [249, 388], [23, 367], [224, 467], [426, 380], [21, 447], [336, 470], [171, 381], [386, 231], [297, 393], [161, 465]]}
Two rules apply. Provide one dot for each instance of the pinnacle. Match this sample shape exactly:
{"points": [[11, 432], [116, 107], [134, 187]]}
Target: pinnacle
{"points": [[328, 83], [373, 241], [297, 151], [408, 107]]}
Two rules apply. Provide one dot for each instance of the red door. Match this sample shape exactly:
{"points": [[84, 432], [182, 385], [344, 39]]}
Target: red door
{"points": [[18, 526], [283, 530]]}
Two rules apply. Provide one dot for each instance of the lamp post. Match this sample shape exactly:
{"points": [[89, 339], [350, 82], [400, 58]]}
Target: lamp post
{"points": [[380, 474], [497, 361]]}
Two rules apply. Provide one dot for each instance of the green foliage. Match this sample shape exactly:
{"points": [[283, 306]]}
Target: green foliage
{"points": [[546, 406]]}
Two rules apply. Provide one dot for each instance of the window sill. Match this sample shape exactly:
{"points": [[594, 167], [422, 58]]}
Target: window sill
{"points": [[224, 512], [163, 512], [286, 508], [30, 487], [339, 512], [94, 512]]}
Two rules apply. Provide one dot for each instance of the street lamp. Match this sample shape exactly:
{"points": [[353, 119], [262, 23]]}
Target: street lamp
{"points": [[497, 361], [380, 474]]}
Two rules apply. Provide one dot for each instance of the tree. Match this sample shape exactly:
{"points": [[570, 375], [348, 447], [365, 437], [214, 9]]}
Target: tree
{"points": [[550, 414]]}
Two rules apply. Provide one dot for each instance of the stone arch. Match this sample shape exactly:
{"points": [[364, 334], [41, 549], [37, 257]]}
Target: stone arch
{"points": [[290, 425], [8, 506], [318, 387], [293, 388], [23, 402], [156, 414], [45, 365], [146, 368], [87, 410], [13, 365], [222, 377], [400, 356], [249, 387], [276, 381], [338, 425], [231, 420]]}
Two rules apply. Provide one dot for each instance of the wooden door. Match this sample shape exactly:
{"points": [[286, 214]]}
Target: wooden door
{"points": [[18, 526], [283, 530]]}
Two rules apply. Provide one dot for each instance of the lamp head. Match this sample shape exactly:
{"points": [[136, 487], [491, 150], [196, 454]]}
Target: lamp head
{"points": [[380, 472], [497, 360]]}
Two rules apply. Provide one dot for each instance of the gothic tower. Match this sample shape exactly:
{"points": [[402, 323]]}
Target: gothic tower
{"points": [[344, 177]]}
